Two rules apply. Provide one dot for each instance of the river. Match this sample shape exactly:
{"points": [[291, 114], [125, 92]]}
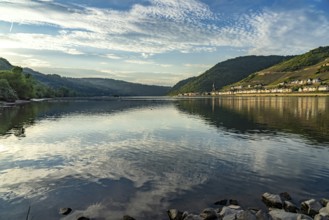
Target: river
{"points": [[142, 156]]}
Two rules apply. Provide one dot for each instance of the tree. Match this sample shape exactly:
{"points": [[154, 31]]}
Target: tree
{"points": [[17, 70], [6, 92]]}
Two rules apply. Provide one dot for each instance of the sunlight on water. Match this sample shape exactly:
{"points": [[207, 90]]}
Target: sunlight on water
{"points": [[141, 157]]}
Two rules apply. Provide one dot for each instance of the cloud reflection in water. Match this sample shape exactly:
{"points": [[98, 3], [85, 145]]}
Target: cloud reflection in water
{"points": [[139, 161]]}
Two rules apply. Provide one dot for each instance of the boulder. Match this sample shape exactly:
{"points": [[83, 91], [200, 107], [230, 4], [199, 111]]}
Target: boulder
{"points": [[311, 207], [324, 211], [174, 214], [83, 218], [65, 211], [285, 196], [321, 217], [236, 207], [261, 215], [221, 202], [272, 200], [233, 202], [246, 215], [208, 214], [192, 217], [185, 214], [226, 211], [324, 202], [279, 214], [229, 217], [127, 217], [290, 207]]}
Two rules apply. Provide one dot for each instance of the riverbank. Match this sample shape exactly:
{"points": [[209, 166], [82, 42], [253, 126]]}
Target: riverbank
{"points": [[21, 102], [279, 207], [279, 95]]}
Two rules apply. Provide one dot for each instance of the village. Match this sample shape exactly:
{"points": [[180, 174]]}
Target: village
{"points": [[296, 86]]}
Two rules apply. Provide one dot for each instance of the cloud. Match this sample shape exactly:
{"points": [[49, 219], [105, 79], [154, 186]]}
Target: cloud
{"points": [[33, 62], [116, 156], [147, 29], [203, 66], [159, 27], [11, 26], [288, 32], [140, 62], [112, 56]]}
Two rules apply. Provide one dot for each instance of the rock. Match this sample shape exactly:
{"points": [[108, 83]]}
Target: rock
{"points": [[233, 202], [185, 214], [324, 202], [285, 196], [221, 202], [253, 209], [229, 217], [174, 214], [83, 218], [290, 207], [246, 215], [65, 211], [311, 207], [208, 214], [324, 211], [321, 217], [192, 217], [236, 207], [229, 211], [261, 215], [272, 200], [127, 217], [279, 214]]}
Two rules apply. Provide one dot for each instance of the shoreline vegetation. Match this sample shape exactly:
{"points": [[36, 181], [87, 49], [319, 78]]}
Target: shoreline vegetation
{"points": [[189, 95]]}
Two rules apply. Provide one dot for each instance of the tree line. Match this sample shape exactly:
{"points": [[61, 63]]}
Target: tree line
{"points": [[14, 85]]}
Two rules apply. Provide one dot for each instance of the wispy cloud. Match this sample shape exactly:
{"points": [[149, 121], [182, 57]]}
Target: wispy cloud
{"points": [[141, 62], [144, 31], [283, 32], [204, 66], [112, 56], [11, 26], [33, 62], [162, 26]]}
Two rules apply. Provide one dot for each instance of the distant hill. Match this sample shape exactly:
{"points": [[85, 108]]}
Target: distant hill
{"points": [[225, 73], [90, 86], [4, 64], [311, 65], [178, 86]]}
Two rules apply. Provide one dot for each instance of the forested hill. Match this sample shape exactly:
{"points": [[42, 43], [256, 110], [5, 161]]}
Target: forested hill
{"points": [[18, 83], [225, 73], [98, 86], [291, 73]]}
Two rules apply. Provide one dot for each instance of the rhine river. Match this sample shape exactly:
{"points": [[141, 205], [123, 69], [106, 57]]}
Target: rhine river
{"points": [[142, 156]]}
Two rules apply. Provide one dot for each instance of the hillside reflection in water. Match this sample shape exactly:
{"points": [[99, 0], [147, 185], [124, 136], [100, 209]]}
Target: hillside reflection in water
{"points": [[143, 156], [308, 116]]}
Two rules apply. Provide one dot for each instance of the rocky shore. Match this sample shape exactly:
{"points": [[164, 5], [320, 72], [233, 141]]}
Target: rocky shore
{"points": [[279, 207]]}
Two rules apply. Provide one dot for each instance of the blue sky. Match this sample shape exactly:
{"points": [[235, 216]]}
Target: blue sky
{"points": [[154, 41]]}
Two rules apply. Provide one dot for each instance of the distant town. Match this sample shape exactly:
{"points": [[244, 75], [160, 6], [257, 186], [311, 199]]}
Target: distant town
{"points": [[296, 86]]}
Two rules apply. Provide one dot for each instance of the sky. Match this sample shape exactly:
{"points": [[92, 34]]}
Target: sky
{"points": [[155, 42]]}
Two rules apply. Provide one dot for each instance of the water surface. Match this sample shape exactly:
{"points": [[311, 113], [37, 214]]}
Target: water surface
{"points": [[141, 156]]}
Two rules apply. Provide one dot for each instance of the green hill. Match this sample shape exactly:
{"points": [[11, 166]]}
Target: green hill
{"points": [[225, 73], [39, 85], [311, 65]]}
